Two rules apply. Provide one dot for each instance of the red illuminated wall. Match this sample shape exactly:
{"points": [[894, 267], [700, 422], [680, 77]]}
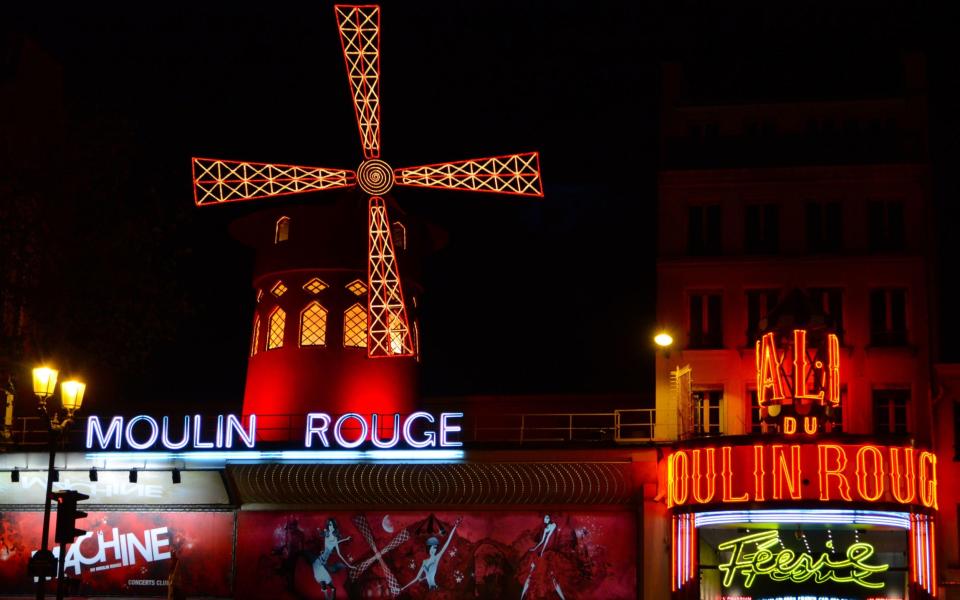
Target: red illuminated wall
{"points": [[590, 554], [202, 540]]}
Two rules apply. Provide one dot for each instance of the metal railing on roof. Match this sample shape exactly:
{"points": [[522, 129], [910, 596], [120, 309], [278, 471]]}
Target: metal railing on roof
{"points": [[626, 426]]}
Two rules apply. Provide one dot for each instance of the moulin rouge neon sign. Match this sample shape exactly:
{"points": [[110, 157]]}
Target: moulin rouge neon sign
{"points": [[752, 556], [802, 472], [419, 430], [803, 388]]}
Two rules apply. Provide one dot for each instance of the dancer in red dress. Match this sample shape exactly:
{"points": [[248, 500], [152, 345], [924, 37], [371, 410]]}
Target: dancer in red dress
{"points": [[547, 563]]}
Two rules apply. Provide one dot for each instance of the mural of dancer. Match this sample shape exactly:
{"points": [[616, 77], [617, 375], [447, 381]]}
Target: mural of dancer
{"points": [[428, 568], [322, 569], [542, 578]]}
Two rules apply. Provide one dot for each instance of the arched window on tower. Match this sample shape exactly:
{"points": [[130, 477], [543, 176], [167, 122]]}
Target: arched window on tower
{"points": [[399, 236], [282, 232], [255, 344], [313, 325], [355, 327], [278, 320]]}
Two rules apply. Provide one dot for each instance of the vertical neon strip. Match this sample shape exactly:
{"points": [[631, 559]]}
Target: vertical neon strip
{"points": [[933, 558], [673, 555], [914, 550], [833, 369]]}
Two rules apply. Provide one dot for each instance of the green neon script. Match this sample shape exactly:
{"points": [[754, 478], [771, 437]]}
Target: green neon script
{"points": [[751, 556]]}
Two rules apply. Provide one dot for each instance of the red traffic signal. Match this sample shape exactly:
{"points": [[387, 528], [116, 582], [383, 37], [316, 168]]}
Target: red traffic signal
{"points": [[67, 514]]}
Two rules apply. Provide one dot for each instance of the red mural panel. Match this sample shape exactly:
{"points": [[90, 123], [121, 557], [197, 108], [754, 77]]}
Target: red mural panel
{"points": [[443, 555], [127, 553]]}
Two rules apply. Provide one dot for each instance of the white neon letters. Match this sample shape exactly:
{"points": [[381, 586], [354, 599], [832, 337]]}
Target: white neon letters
{"points": [[338, 430], [314, 430], [419, 430], [446, 428], [430, 439], [113, 431]]}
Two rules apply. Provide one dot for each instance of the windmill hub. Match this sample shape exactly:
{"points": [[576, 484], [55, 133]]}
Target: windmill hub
{"points": [[375, 177]]}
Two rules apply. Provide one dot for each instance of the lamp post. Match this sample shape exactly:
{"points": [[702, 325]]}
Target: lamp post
{"points": [[71, 396]]}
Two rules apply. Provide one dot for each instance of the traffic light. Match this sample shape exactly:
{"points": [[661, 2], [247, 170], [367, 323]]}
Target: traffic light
{"points": [[67, 514]]}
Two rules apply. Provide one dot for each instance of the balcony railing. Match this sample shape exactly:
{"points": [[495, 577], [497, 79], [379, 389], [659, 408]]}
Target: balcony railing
{"points": [[627, 426]]}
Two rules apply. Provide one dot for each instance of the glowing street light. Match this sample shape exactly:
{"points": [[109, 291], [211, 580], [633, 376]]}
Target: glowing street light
{"points": [[43, 563], [663, 339], [44, 382]]}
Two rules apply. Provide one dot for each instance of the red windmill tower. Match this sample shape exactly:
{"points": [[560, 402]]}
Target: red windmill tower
{"points": [[388, 331]]}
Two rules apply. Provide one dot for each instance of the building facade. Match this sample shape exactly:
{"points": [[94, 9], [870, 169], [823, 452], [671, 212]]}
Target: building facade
{"points": [[794, 272]]}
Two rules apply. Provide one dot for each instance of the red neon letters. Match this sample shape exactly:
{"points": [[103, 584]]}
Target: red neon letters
{"points": [[798, 472], [775, 386]]}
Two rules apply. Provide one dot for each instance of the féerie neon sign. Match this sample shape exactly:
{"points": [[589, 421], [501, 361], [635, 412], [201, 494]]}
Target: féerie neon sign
{"points": [[801, 388], [418, 430], [751, 556]]}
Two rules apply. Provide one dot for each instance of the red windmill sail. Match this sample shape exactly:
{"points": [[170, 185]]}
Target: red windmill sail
{"points": [[388, 328]]}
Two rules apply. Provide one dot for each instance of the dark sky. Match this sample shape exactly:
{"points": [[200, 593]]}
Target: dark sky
{"points": [[560, 291]]}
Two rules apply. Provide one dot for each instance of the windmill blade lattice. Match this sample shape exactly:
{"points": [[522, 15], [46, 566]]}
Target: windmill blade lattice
{"points": [[517, 174], [388, 330], [216, 181], [360, 39]]}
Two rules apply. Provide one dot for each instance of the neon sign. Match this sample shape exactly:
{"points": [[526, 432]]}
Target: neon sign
{"points": [[420, 430], [802, 472], [800, 389], [752, 556]]}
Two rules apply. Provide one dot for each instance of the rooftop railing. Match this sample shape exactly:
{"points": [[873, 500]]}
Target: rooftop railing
{"points": [[626, 426]]}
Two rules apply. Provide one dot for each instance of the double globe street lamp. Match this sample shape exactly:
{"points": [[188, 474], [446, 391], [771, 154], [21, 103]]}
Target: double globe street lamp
{"points": [[71, 397]]}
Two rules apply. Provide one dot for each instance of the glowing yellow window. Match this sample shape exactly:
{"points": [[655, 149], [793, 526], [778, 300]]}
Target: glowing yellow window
{"points": [[278, 319], [357, 287], [278, 289], [315, 286], [355, 327], [255, 344], [313, 325]]}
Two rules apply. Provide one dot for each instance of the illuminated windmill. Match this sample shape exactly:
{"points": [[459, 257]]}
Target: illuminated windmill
{"points": [[219, 181]]}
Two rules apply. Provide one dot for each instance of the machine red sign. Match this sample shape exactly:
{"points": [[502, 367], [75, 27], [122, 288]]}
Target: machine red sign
{"points": [[127, 553]]}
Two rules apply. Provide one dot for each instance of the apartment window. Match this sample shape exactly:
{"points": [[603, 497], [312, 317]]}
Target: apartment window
{"points": [[762, 229], [886, 225], [703, 230], [830, 302], [888, 317], [756, 423], [824, 227], [706, 329], [890, 414], [759, 304], [706, 411]]}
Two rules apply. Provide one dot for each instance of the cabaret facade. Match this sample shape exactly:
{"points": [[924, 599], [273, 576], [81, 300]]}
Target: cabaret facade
{"points": [[795, 281]]}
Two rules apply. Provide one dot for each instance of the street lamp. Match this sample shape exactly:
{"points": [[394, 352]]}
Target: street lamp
{"points": [[71, 397], [663, 339]]}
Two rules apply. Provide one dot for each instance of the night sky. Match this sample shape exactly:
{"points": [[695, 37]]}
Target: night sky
{"points": [[149, 296]]}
